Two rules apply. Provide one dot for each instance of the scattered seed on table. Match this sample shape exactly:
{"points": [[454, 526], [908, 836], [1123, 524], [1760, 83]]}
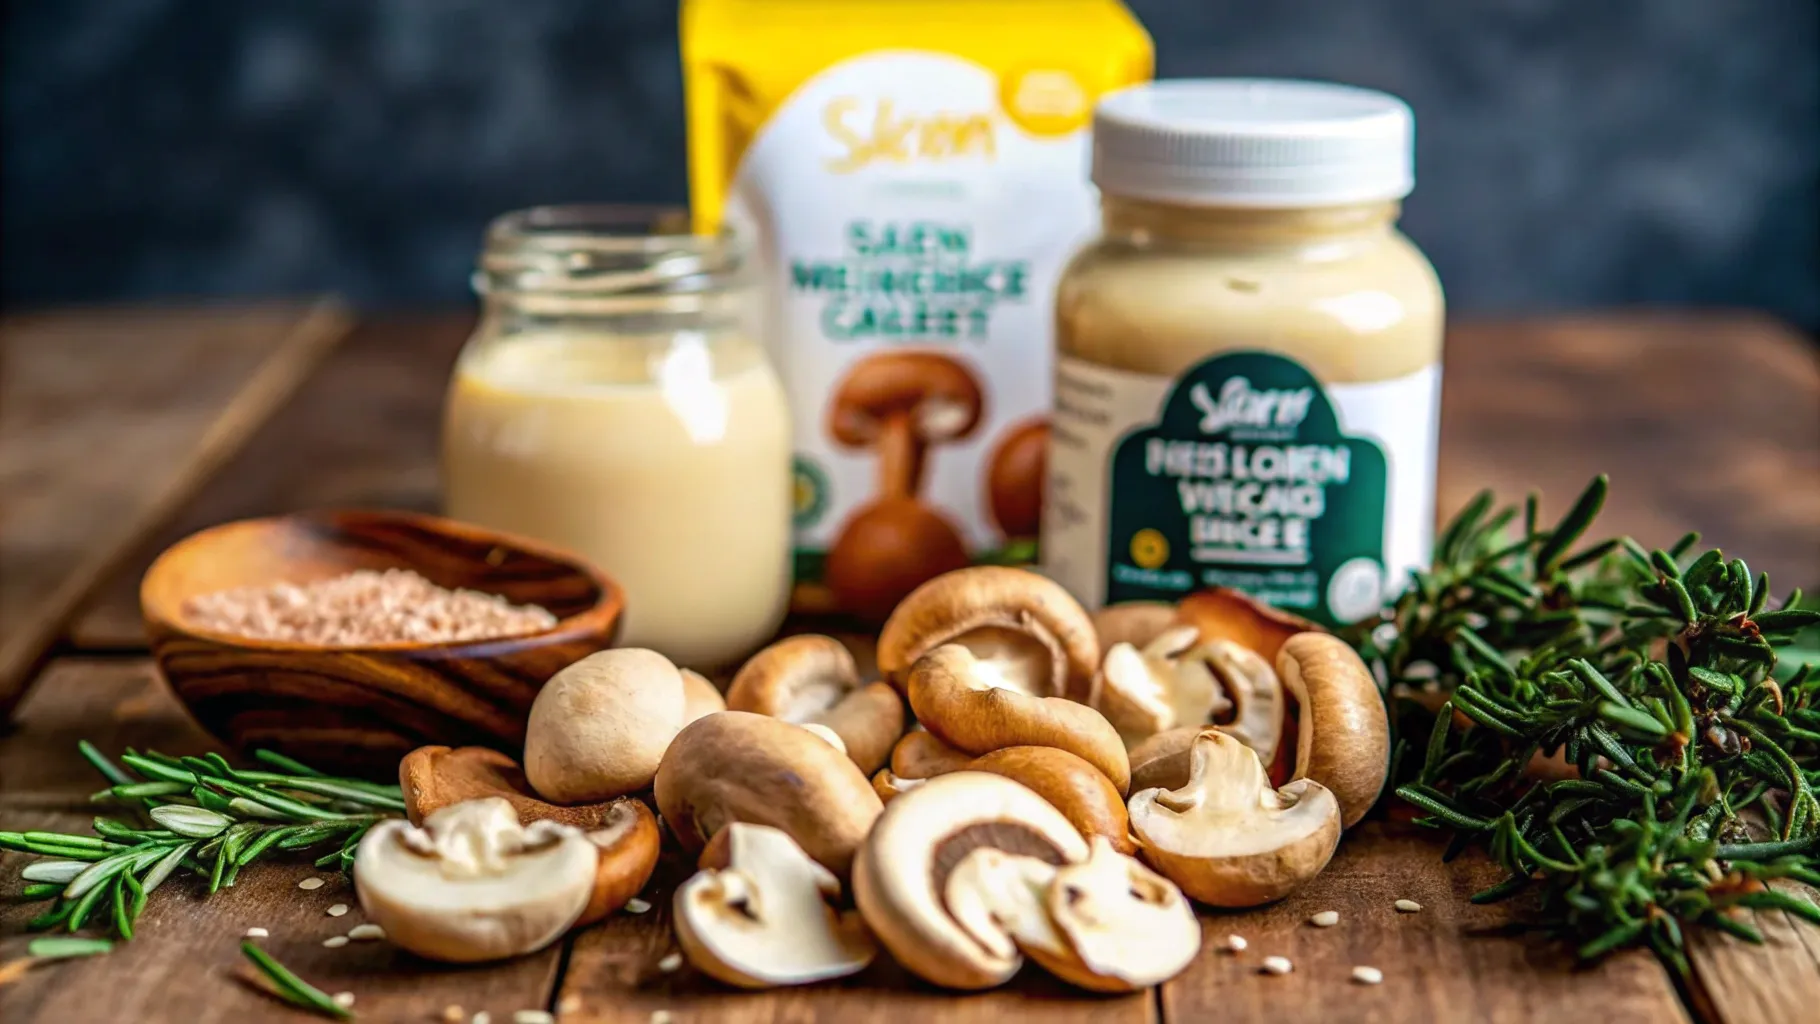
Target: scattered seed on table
{"points": [[1407, 906], [571, 1003], [454, 1014], [1236, 943], [533, 1017], [1367, 975], [1277, 965], [363, 932], [660, 1017], [1325, 919], [335, 941], [636, 906], [344, 999], [257, 933], [338, 909], [311, 883], [482, 1017]]}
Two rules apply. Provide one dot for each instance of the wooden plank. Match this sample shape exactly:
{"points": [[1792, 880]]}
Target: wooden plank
{"points": [[1450, 961], [362, 431], [1735, 982], [109, 420], [181, 968], [1704, 421], [614, 977]]}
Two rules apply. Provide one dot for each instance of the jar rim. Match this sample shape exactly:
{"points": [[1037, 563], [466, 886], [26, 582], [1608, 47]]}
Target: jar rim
{"points": [[600, 249]]}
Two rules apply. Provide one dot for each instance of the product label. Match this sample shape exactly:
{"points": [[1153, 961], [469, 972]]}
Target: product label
{"points": [[1244, 472], [913, 202]]}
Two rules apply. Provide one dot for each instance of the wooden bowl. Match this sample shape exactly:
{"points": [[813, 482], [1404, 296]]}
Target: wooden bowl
{"points": [[359, 710]]}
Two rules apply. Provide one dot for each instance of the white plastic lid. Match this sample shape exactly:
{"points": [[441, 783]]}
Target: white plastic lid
{"points": [[1253, 142]]}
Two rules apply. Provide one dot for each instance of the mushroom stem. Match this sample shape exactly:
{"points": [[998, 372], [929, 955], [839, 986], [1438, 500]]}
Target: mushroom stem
{"points": [[900, 457]]}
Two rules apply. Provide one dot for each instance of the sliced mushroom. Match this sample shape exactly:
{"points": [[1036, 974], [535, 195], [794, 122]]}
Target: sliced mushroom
{"points": [[598, 728], [1080, 791], [954, 696], [1133, 622], [1123, 926], [700, 697], [1027, 632], [1343, 739], [1226, 837], [888, 785], [1226, 614], [1165, 685], [1162, 762], [628, 842], [1255, 692], [432, 778], [737, 766], [901, 876], [812, 679], [921, 755], [765, 918], [473, 884]]}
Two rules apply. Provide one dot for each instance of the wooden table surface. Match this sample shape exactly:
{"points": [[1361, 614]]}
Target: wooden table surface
{"points": [[1708, 421]]}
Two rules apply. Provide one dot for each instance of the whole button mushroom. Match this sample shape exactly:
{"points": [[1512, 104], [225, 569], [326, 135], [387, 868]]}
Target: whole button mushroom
{"points": [[898, 403], [737, 766], [1343, 739], [599, 727], [812, 680]]}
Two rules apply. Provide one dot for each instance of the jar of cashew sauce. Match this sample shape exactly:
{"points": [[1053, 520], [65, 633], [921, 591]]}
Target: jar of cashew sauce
{"points": [[613, 401], [1248, 373]]}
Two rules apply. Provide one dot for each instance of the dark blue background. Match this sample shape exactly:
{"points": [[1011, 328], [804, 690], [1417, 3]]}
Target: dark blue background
{"points": [[1572, 153]]}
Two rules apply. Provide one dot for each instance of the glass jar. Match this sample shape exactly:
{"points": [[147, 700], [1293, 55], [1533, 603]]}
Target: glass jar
{"points": [[1248, 374], [614, 401]]}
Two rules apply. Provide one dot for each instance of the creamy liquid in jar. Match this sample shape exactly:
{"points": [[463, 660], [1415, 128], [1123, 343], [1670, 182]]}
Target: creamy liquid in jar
{"points": [[639, 429], [1248, 372]]}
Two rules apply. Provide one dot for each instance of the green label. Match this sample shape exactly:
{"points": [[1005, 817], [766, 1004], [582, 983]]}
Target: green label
{"points": [[1247, 482]]}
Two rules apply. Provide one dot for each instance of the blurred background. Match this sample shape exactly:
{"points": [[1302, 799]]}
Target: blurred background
{"points": [[1571, 154]]}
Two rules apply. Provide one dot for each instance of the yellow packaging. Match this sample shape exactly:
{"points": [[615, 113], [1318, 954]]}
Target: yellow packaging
{"points": [[913, 176]]}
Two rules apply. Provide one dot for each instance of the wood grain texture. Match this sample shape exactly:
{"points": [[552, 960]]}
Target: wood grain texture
{"points": [[109, 421], [361, 432], [1452, 961], [1735, 982], [359, 710], [182, 967], [1704, 421]]}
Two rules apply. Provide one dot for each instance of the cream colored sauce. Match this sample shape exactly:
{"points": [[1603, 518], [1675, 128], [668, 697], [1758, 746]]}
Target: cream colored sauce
{"points": [[666, 463]]}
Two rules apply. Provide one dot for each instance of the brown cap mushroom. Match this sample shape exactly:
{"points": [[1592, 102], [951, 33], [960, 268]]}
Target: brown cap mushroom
{"points": [[1031, 634], [700, 697], [1133, 622], [900, 402], [1080, 791], [1161, 762], [473, 884], [628, 842], [599, 727], [764, 917], [901, 879], [954, 696], [1226, 614], [920, 755], [1014, 478], [812, 679], [1226, 837], [1343, 739], [737, 766]]}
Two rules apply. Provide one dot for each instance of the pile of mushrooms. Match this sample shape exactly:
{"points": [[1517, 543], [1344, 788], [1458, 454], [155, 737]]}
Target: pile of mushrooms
{"points": [[1023, 780]]}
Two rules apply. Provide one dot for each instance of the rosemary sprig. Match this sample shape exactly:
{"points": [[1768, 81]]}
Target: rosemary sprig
{"points": [[198, 814], [280, 981], [1693, 763]]}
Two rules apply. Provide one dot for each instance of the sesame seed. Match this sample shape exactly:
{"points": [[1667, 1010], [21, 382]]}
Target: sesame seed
{"points": [[453, 1014], [1367, 975], [344, 999], [1236, 943], [670, 963], [338, 909], [636, 906], [1277, 965], [1407, 906], [1325, 919], [660, 1017], [310, 883], [571, 1003], [482, 1017], [335, 941], [364, 932], [257, 933], [533, 1017]]}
